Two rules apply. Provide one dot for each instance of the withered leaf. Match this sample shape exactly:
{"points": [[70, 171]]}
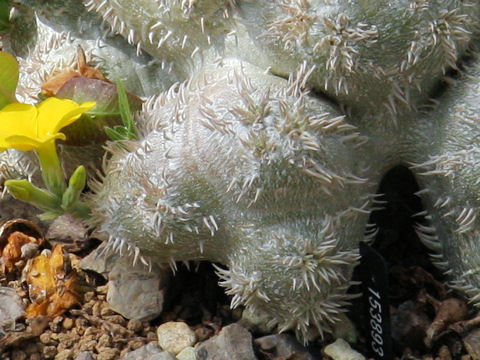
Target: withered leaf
{"points": [[55, 83], [12, 252], [51, 289]]}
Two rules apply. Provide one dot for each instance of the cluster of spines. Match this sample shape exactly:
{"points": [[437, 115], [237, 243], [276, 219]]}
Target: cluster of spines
{"points": [[322, 314], [292, 122], [449, 31], [436, 45], [321, 310], [464, 219], [297, 129], [164, 216], [16, 164], [37, 68], [315, 265], [343, 42], [124, 248], [344, 47], [318, 273], [176, 32], [293, 28]]}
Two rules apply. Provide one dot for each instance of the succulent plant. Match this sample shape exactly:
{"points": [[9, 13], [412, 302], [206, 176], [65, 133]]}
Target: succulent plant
{"points": [[267, 128]]}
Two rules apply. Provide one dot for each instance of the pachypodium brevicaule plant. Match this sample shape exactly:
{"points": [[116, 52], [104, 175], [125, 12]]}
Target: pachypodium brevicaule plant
{"points": [[266, 128]]}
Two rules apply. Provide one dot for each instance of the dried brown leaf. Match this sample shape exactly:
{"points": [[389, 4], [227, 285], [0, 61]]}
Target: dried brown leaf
{"points": [[51, 289], [12, 252], [448, 311], [55, 83]]}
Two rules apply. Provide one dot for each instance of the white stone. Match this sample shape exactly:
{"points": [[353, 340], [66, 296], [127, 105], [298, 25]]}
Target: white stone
{"points": [[341, 350], [11, 308], [187, 354], [134, 291], [175, 336]]}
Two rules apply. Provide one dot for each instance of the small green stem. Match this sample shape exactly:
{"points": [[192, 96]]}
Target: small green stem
{"points": [[52, 172], [25, 191], [80, 210]]}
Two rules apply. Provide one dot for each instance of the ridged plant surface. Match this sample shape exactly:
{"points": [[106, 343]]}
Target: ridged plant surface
{"points": [[266, 130]]}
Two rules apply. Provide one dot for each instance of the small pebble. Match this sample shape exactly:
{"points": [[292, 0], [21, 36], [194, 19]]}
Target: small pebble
{"points": [[135, 344], [68, 339], [108, 354], [102, 289], [55, 325], [64, 355], [96, 308], [135, 291], [134, 325], [81, 322], [116, 319], [49, 352], [90, 331], [28, 251], [105, 309], [88, 345], [175, 336], [104, 341], [444, 353], [187, 354], [341, 350], [11, 307], [67, 323], [46, 338], [86, 355], [232, 342], [150, 351], [284, 346]]}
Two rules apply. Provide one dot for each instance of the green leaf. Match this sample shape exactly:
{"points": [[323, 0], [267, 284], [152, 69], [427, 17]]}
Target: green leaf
{"points": [[124, 108], [75, 187], [4, 15], [49, 215], [128, 131], [112, 134], [8, 78]]}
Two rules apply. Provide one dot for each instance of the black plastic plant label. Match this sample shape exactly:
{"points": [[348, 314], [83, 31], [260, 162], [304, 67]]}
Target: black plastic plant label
{"points": [[374, 276]]}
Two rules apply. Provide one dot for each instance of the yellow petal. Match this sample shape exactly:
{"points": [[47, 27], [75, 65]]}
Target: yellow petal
{"points": [[26, 127], [25, 143], [50, 113], [18, 119], [54, 114], [3, 143], [74, 114]]}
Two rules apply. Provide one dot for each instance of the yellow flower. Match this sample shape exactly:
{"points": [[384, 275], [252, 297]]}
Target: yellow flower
{"points": [[28, 127]]}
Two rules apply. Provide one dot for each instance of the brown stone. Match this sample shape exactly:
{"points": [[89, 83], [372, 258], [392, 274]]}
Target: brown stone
{"points": [[67, 323]]}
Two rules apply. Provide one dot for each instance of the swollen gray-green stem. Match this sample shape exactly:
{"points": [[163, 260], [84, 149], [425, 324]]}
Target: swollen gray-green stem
{"points": [[266, 130]]}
